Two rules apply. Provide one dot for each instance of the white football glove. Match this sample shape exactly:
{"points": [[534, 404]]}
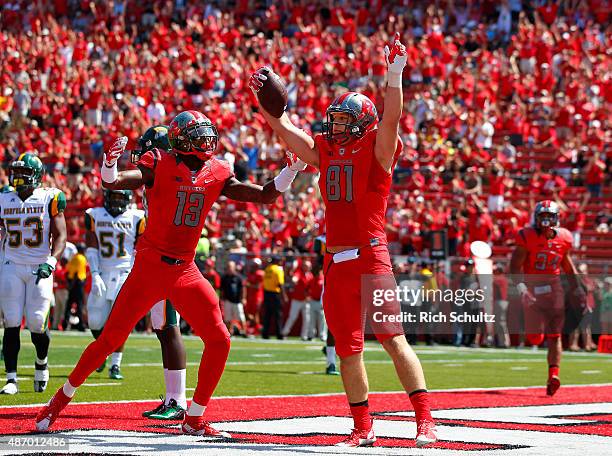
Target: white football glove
{"points": [[396, 57], [98, 287], [115, 151], [294, 163]]}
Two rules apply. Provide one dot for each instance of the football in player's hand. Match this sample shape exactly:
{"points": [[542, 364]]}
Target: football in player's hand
{"points": [[273, 94]]}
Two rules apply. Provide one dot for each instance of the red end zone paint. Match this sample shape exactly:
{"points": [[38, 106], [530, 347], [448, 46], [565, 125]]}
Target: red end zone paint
{"points": [[266, 420]]}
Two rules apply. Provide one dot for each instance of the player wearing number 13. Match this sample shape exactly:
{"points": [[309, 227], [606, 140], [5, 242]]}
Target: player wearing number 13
{"points": [[181, 184], [33, 218]]}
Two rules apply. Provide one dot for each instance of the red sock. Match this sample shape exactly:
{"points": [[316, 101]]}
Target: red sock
{"points": [[420, 403], [361, 415], [553, 370]]}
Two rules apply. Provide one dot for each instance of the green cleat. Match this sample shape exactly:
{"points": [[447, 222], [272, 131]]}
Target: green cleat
{"points": [[101, 368], [157, 409], [172, 411], [114, 373], [331, 370]]}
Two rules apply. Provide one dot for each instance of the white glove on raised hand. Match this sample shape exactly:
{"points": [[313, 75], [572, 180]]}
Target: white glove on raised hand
{"points": [[98, 287], [396, 56], [294, 163], [115, 151]]}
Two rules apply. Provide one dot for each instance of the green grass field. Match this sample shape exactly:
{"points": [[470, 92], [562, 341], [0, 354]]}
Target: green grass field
{"points": [[259, 367]]}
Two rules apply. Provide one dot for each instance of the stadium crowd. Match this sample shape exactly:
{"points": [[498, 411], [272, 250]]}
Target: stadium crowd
{"points": [[505, 103]]}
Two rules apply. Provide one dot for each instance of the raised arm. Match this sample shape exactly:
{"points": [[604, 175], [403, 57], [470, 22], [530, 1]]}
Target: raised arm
{"points": [[298, 141], [388, 128], [124, 180]]}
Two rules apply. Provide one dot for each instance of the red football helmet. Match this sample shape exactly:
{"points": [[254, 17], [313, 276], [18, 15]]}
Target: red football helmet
{"points": [[546, 215], [192, 133], [364, 117]]}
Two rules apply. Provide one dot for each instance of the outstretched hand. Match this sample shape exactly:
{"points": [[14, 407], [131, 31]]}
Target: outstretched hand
{"points": [[396, 56]]}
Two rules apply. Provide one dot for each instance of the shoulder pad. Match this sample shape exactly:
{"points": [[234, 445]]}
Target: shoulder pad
{"points": [[220, 169]]}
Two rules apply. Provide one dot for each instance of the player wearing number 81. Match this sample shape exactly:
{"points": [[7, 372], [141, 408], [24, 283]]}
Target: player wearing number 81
{"points": [[356, 155], [181, 184], [111, 235], [33, 218]]}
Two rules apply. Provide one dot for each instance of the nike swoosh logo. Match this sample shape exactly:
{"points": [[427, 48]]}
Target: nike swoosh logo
{"points": [[208, 181], [356, 150]]}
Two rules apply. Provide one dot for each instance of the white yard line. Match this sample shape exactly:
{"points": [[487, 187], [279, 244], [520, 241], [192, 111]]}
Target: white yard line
{"points": [[272, 396]]}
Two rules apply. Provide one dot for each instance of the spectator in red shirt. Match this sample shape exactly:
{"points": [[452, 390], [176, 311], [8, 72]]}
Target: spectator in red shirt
{"points": [[595, 174], [300, 302], [497, 188]]}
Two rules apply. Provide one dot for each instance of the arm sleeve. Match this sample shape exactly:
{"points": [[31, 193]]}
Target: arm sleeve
{"points": [[57, 204], [149, 160], [89, 221], [142, 224]]}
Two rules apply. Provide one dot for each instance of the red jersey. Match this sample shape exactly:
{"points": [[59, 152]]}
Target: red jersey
{"points": [[355, 188], [544, 255], [315, 288], [301, 286], [178, 202], [254, 287]]}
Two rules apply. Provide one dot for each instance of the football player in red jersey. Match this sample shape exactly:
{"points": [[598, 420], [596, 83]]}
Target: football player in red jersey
{"points": [[182, 184], [541, 252], [356, 155]]}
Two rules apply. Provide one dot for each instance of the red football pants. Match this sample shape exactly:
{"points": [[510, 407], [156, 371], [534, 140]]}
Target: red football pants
{"points": [[150, 281], [347, 299]]}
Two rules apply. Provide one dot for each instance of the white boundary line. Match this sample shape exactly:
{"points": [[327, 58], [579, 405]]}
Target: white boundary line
{"points": [[276, 396]]}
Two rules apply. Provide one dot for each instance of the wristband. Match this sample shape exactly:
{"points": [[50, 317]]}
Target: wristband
{"points": [[394, 79], [51, 261], [109, 174], [285, 178]]}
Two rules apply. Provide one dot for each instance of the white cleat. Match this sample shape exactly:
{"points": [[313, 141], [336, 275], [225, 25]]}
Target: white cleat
{"points": [[10, 388], [41, 379]]}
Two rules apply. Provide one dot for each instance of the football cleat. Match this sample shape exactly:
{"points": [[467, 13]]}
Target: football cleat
{"points": [[359, 438], [101, 368], [114, 373], [10, 388], [331, 370], [196, 425], [426, 433], [41, 378], [49, 413], [552, 385], [157, 409], [170, 411]]}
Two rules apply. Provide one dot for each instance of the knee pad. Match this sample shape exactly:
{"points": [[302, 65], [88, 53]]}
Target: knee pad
{"points": [[534, 339]]}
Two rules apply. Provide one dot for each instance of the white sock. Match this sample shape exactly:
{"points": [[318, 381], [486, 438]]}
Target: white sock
{"points": [[116, 359], [331, 355], [175, 386], [196, 409], [69, 390], [11, 376], [41, 361]]}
